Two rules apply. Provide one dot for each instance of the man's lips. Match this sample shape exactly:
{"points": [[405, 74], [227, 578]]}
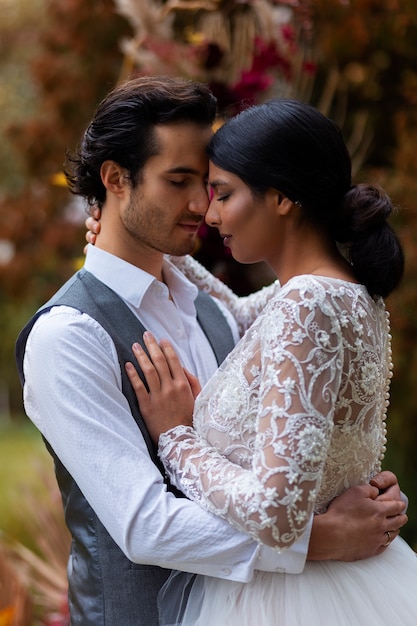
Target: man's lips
{"points": [[190, 228]]}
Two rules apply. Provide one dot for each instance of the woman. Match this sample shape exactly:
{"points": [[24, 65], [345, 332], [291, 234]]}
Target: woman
{"points": [[295, 414]]}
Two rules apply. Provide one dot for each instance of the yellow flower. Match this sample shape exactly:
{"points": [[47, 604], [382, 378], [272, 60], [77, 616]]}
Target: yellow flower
{"points": [[58, 180], [194, 37]]}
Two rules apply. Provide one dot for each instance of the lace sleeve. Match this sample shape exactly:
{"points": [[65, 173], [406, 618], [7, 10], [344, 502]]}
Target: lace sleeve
{"points": [[291, 364], [244, 309]]}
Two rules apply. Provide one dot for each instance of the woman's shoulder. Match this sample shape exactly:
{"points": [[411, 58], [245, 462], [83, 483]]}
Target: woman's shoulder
{"points": [[329, 294], [309, 284]]}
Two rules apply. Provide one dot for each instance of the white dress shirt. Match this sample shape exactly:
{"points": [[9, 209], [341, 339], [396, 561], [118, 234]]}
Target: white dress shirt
{"points": [[73, 394]]}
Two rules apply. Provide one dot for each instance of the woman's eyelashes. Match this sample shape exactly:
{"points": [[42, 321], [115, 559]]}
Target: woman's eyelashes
{"points": [[218, 191], [220, 195]]}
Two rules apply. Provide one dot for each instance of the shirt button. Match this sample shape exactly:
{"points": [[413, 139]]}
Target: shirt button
{"points": [[180, 333], [227, 571]]}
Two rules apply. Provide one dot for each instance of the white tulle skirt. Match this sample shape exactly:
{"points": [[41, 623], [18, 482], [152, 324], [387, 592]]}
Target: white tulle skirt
{"points": [[380, 591]]}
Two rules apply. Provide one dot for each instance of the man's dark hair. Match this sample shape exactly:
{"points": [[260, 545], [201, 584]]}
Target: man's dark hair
{"points": [[122, 129]]}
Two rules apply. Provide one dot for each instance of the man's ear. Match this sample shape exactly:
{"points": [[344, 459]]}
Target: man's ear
{"points": [[114, 177]]}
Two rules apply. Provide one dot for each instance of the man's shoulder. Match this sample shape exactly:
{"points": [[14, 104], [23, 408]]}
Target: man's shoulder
{"points": [[62, 323], [67, 314]]}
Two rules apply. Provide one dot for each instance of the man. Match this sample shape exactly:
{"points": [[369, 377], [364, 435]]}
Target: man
{"points": [[143, 161]]}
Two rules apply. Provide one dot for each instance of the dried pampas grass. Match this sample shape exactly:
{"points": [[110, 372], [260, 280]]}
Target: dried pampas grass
{"points": [[40, 572], [15, 598]]}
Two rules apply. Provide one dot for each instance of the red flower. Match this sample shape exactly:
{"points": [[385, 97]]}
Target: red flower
{"points": [[266, 61], [250, 86]]}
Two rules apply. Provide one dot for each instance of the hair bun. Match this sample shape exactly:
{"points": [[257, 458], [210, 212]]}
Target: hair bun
{"points": [[366, 208], [374, 249]]}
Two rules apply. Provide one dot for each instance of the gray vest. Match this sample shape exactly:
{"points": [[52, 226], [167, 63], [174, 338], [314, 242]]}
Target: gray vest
{"points": [[105, 588]]}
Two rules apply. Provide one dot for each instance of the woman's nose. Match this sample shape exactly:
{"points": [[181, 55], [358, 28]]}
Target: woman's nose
{"points": [[199, 202], [212, 215]]}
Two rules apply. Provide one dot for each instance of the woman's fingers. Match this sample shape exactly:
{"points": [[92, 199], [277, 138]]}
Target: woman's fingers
{"points": [[167, 401], [162, 366], [164, 358], [194, 383], [158, 357], [93, 226], [92, 222], [137, 384], [147, 365], [173, 362]]}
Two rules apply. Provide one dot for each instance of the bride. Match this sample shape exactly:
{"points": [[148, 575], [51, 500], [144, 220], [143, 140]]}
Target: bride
{"points": [[295, 414]]}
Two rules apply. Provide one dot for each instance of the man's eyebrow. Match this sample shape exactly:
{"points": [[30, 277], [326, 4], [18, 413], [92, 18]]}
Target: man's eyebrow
{"points": [[182, 170]]}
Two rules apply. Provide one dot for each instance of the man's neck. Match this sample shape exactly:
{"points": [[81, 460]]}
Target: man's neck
{"points": [[150, 261]]}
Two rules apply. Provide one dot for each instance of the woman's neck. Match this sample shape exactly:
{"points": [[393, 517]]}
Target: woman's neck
{"points": [[312, 253]]}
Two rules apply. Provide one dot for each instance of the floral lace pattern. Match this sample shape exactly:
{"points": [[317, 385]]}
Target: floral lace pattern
{"points": [[295, 414]]}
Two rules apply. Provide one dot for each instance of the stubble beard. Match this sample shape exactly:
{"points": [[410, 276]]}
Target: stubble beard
{"points": [[151, 228]]}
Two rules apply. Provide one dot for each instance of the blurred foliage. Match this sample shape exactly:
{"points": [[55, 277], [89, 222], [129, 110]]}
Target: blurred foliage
{"points": [[78, 59], [355, 60], [71, 61], [18, 93], [23, 459]]}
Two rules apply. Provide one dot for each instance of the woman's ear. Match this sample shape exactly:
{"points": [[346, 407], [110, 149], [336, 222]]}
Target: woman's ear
{"points": [[284, 204], [114, 177]]}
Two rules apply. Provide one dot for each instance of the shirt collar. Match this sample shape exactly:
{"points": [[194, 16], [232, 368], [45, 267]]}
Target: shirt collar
{"points": [[132, 283]]}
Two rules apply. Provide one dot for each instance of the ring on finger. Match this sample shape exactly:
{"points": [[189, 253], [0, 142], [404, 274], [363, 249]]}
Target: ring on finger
{"points": [[388, 541]]}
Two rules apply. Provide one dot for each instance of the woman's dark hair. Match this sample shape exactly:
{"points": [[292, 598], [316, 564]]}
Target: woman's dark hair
{"points": [[122, 129], [292, 147]]}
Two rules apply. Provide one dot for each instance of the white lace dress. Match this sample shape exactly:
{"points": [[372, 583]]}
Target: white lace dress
{"points": [[292, 418]]}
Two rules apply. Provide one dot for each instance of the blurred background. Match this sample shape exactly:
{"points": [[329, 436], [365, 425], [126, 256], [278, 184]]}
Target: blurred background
{"points": [[356, 60]]}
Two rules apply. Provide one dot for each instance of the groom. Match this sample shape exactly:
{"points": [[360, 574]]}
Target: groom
{"points": [[143, 162]]}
